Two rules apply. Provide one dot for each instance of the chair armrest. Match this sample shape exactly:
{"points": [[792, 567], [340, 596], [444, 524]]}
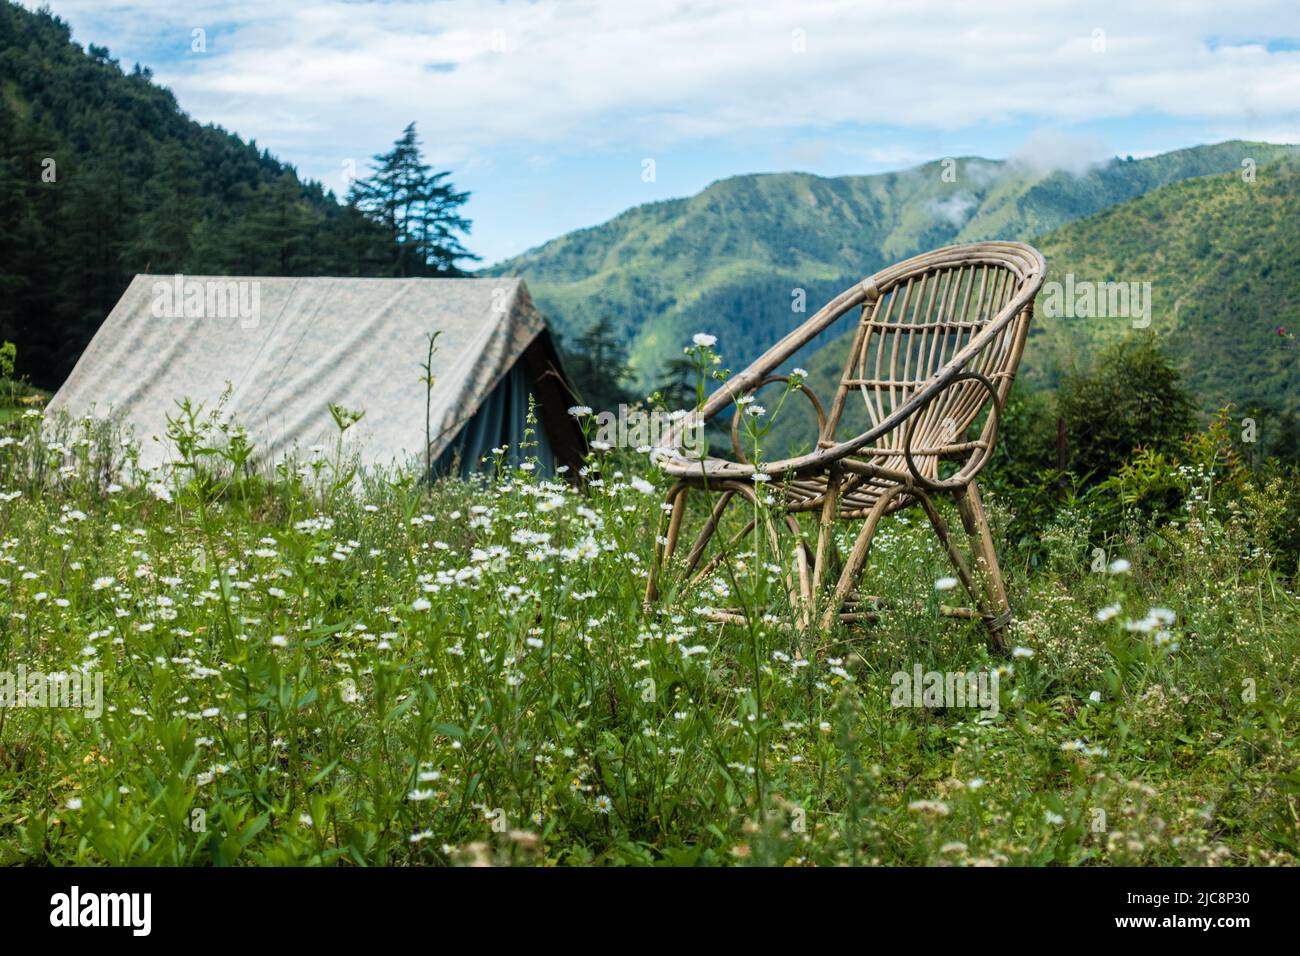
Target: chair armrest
{"points": [[979, 450], [767, 363], [667, 457], [772, 359]]}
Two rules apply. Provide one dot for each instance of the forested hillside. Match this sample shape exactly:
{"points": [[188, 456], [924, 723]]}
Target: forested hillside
{"points": [[1223, 259], [102, 176], [731, 259]]}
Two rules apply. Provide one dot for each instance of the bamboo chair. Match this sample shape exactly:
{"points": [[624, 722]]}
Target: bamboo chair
{"points": [[937, 344]]}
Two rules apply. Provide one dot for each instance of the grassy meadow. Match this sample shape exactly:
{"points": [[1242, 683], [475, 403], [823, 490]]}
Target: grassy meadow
{"points": [[318, 667], [232, 662], [321, 666]]}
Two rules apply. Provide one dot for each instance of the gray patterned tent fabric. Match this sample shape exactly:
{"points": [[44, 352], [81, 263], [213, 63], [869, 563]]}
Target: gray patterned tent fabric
{"points": [[285, 348]]}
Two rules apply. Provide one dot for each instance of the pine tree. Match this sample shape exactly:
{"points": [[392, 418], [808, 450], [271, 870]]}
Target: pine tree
{"points": [[279, 228], [417, 208], [161, 235], [677, 385], [597, 362], [140, 186]]}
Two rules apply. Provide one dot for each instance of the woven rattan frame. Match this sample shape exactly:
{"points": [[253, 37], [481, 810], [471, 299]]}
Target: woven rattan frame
{"points": [[937, 343]]}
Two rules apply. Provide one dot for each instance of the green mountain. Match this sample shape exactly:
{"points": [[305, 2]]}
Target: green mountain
{"points": [[103, 176], [732, 259], [1222, 257]]}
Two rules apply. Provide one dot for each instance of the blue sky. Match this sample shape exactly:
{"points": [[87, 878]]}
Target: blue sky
{"points": [[548, 110]]}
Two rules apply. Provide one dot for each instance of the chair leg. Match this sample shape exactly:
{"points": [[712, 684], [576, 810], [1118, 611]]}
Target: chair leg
{"points": [[676, 497], [825, 544], [706, 533], [964, 573], [793, 586], [666, 545], [857, 557], [971, 508], [713, 562]]}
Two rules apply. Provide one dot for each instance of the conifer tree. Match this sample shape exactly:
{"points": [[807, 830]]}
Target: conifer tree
{"points": [[418, 208]]}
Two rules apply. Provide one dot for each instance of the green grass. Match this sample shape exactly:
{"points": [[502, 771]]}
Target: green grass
{"points": [[307, 668], [16, 397]]}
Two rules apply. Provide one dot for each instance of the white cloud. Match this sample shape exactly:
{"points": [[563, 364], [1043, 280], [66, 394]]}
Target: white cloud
{"points": [[1047, 150], [517, 90], [553, 76], [954, 209]]}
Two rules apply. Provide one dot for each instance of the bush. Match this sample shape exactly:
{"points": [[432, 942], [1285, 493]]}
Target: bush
{"points": [[1131, 397]]}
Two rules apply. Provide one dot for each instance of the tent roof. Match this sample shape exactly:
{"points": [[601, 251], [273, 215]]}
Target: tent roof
{"points": [[360, 343]]}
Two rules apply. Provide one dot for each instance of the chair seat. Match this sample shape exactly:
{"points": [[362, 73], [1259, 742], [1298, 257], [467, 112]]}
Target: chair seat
{"points": [[808, 494], [804, 494]]}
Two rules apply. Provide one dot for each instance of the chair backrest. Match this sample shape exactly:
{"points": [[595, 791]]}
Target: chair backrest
{"points": [[922, 322], [917, 317]]}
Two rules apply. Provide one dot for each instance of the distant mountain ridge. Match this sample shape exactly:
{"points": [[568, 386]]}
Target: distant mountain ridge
{"points": [[731, 259], [1220, 258]]}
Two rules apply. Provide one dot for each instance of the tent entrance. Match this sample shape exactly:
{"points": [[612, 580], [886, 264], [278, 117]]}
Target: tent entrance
{"points": [[499, 421]]}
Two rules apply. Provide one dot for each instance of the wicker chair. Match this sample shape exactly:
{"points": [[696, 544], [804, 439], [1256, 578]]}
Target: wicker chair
{"points": [[938, 342]]}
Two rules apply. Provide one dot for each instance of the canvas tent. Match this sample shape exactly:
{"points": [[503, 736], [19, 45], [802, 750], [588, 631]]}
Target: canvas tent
{"points": [[285, 348]]}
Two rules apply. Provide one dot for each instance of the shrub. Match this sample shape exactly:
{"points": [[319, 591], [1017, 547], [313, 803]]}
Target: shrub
{"points": [[1130, 398]]}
